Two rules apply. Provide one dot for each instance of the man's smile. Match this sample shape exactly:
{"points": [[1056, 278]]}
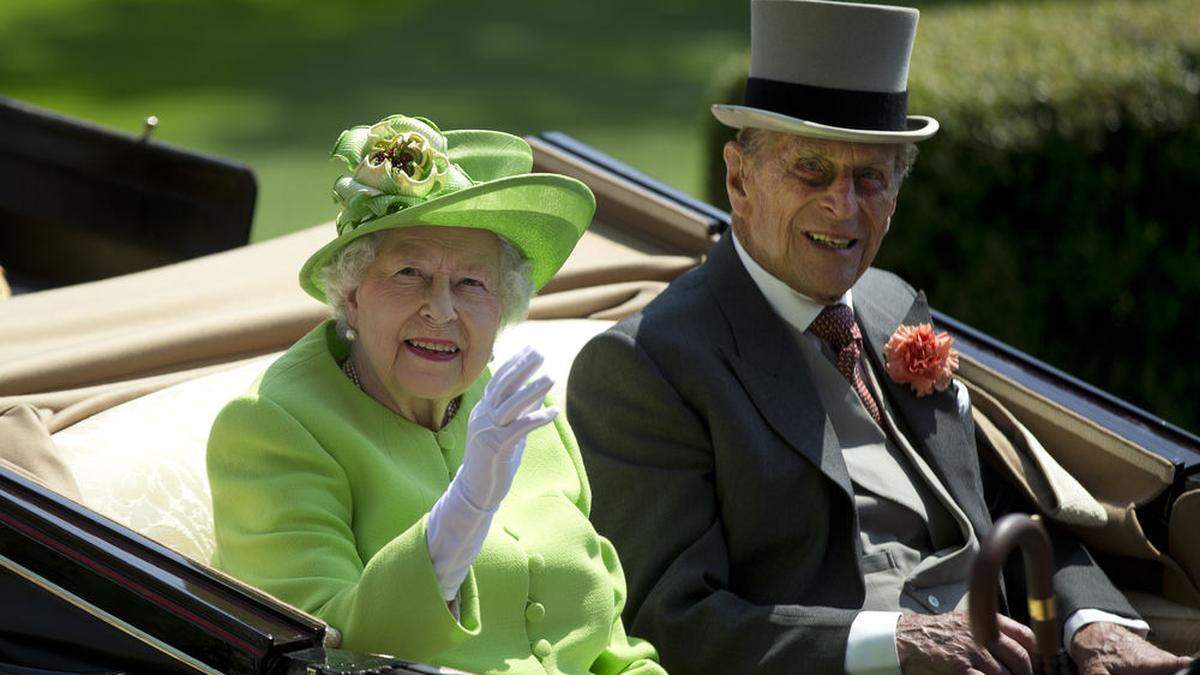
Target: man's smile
{"points": [[830, 241]]}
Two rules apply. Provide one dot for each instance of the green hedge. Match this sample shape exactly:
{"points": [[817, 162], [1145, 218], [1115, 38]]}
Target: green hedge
{"points": [[1058, 207]]}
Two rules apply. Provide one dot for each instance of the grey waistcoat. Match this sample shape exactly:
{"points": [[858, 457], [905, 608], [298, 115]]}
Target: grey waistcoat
{"points": [[916, 543]]}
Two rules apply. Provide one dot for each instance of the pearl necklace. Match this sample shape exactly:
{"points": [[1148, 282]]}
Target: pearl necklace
{"points": [[352, 373]]}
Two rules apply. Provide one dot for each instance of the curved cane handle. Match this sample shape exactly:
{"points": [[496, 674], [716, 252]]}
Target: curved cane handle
{"points": [[1009, 532]]}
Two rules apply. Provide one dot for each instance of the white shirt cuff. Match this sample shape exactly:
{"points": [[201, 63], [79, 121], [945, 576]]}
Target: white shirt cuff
{"points": [[1082, 617], [871, 648]]}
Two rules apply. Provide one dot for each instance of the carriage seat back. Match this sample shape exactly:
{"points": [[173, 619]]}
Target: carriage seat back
{"points": [[142, 463]]}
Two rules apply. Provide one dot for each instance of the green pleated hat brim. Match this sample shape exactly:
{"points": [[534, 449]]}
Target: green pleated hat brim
{"points": [[542, 214]]}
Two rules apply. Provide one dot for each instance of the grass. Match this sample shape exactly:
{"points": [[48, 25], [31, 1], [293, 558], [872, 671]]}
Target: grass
{"points": [[272, 82]]}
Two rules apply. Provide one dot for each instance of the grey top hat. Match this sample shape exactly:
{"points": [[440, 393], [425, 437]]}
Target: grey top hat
{"points": [[833, 70]]}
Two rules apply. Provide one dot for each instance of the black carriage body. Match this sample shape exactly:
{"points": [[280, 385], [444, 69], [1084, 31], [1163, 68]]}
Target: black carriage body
{"points": [[79, 202]]}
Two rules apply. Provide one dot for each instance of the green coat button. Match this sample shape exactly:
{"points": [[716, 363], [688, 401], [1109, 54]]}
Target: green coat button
{"points": [[535, 612], [536, 564], [541, 649]]}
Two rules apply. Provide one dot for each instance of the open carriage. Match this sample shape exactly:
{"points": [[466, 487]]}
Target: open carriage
{"points": [[108, 389]]}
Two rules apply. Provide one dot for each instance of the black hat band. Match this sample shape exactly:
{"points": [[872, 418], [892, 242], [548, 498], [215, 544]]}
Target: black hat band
{"points": [[876, 111]]}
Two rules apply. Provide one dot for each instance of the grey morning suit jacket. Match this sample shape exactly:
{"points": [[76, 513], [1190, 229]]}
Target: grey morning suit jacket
{"points": [[716, 473]]}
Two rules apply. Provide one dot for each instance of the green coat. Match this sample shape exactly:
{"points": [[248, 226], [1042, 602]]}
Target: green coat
{"points": [[321, 497]]}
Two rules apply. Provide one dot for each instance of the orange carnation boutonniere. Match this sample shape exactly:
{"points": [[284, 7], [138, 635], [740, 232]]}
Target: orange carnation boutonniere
{"points": [[920, 358]]}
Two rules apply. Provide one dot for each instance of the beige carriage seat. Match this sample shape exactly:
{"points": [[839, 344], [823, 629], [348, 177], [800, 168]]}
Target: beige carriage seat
{"points": [[142, 463]]}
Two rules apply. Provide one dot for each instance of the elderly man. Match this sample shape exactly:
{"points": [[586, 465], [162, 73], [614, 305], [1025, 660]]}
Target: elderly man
{"points": [[781, 505]]}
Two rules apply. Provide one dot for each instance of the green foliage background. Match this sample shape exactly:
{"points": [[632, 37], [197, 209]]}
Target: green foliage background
{"points": [[1057, 208]]}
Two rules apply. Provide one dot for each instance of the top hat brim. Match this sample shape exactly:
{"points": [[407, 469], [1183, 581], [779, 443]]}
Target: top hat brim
{"points": [[919, 127], [543, 215]]}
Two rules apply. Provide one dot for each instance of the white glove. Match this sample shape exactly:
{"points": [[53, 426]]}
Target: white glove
{"points": [[499, 423]]}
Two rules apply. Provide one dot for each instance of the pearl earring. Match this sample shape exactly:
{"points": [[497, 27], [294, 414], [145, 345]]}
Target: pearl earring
{"points": [[351, 335]]}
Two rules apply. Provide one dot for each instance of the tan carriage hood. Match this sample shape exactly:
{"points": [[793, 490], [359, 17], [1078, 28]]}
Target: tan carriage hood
{"points": [[114, 339]]}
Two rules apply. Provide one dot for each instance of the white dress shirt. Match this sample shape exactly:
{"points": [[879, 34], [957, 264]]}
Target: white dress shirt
{"points": [[871, 647]]}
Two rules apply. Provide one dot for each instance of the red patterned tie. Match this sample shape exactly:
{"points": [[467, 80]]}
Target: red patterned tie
{"points": [[835, 325]]}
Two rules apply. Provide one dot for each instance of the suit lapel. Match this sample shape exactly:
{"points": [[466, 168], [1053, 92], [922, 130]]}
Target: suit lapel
{"points": [[934, 426], [769, 366]]}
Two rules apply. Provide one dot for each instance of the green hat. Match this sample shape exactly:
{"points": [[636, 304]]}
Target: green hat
{"points": [[405, 171]]}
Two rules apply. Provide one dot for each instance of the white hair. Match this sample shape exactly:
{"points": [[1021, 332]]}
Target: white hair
{"points": [[345, 271]]}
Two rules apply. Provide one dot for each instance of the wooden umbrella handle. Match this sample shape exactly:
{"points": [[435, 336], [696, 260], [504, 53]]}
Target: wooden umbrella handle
{"points": [[1009, 532]]}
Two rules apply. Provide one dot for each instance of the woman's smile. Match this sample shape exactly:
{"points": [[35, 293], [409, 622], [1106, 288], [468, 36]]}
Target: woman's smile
{"points": [[433, 349]]}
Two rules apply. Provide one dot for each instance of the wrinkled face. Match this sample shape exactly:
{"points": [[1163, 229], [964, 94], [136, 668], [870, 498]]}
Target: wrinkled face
{"points": [[812, 212], [428, 309]]}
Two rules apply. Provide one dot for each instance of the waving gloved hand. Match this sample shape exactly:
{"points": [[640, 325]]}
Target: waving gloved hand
{"points": [[509, 409], [499, 423]]}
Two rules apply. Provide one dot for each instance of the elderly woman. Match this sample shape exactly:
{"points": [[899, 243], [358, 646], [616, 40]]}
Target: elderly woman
{"points": [[376, 475]]}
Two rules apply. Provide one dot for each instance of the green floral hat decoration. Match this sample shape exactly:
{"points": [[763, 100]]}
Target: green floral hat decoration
{"points": [[405, 171]]}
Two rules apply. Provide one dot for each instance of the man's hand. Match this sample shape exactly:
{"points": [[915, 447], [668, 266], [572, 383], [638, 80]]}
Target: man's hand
{"points": [[1108, 649], [942, 643]]}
